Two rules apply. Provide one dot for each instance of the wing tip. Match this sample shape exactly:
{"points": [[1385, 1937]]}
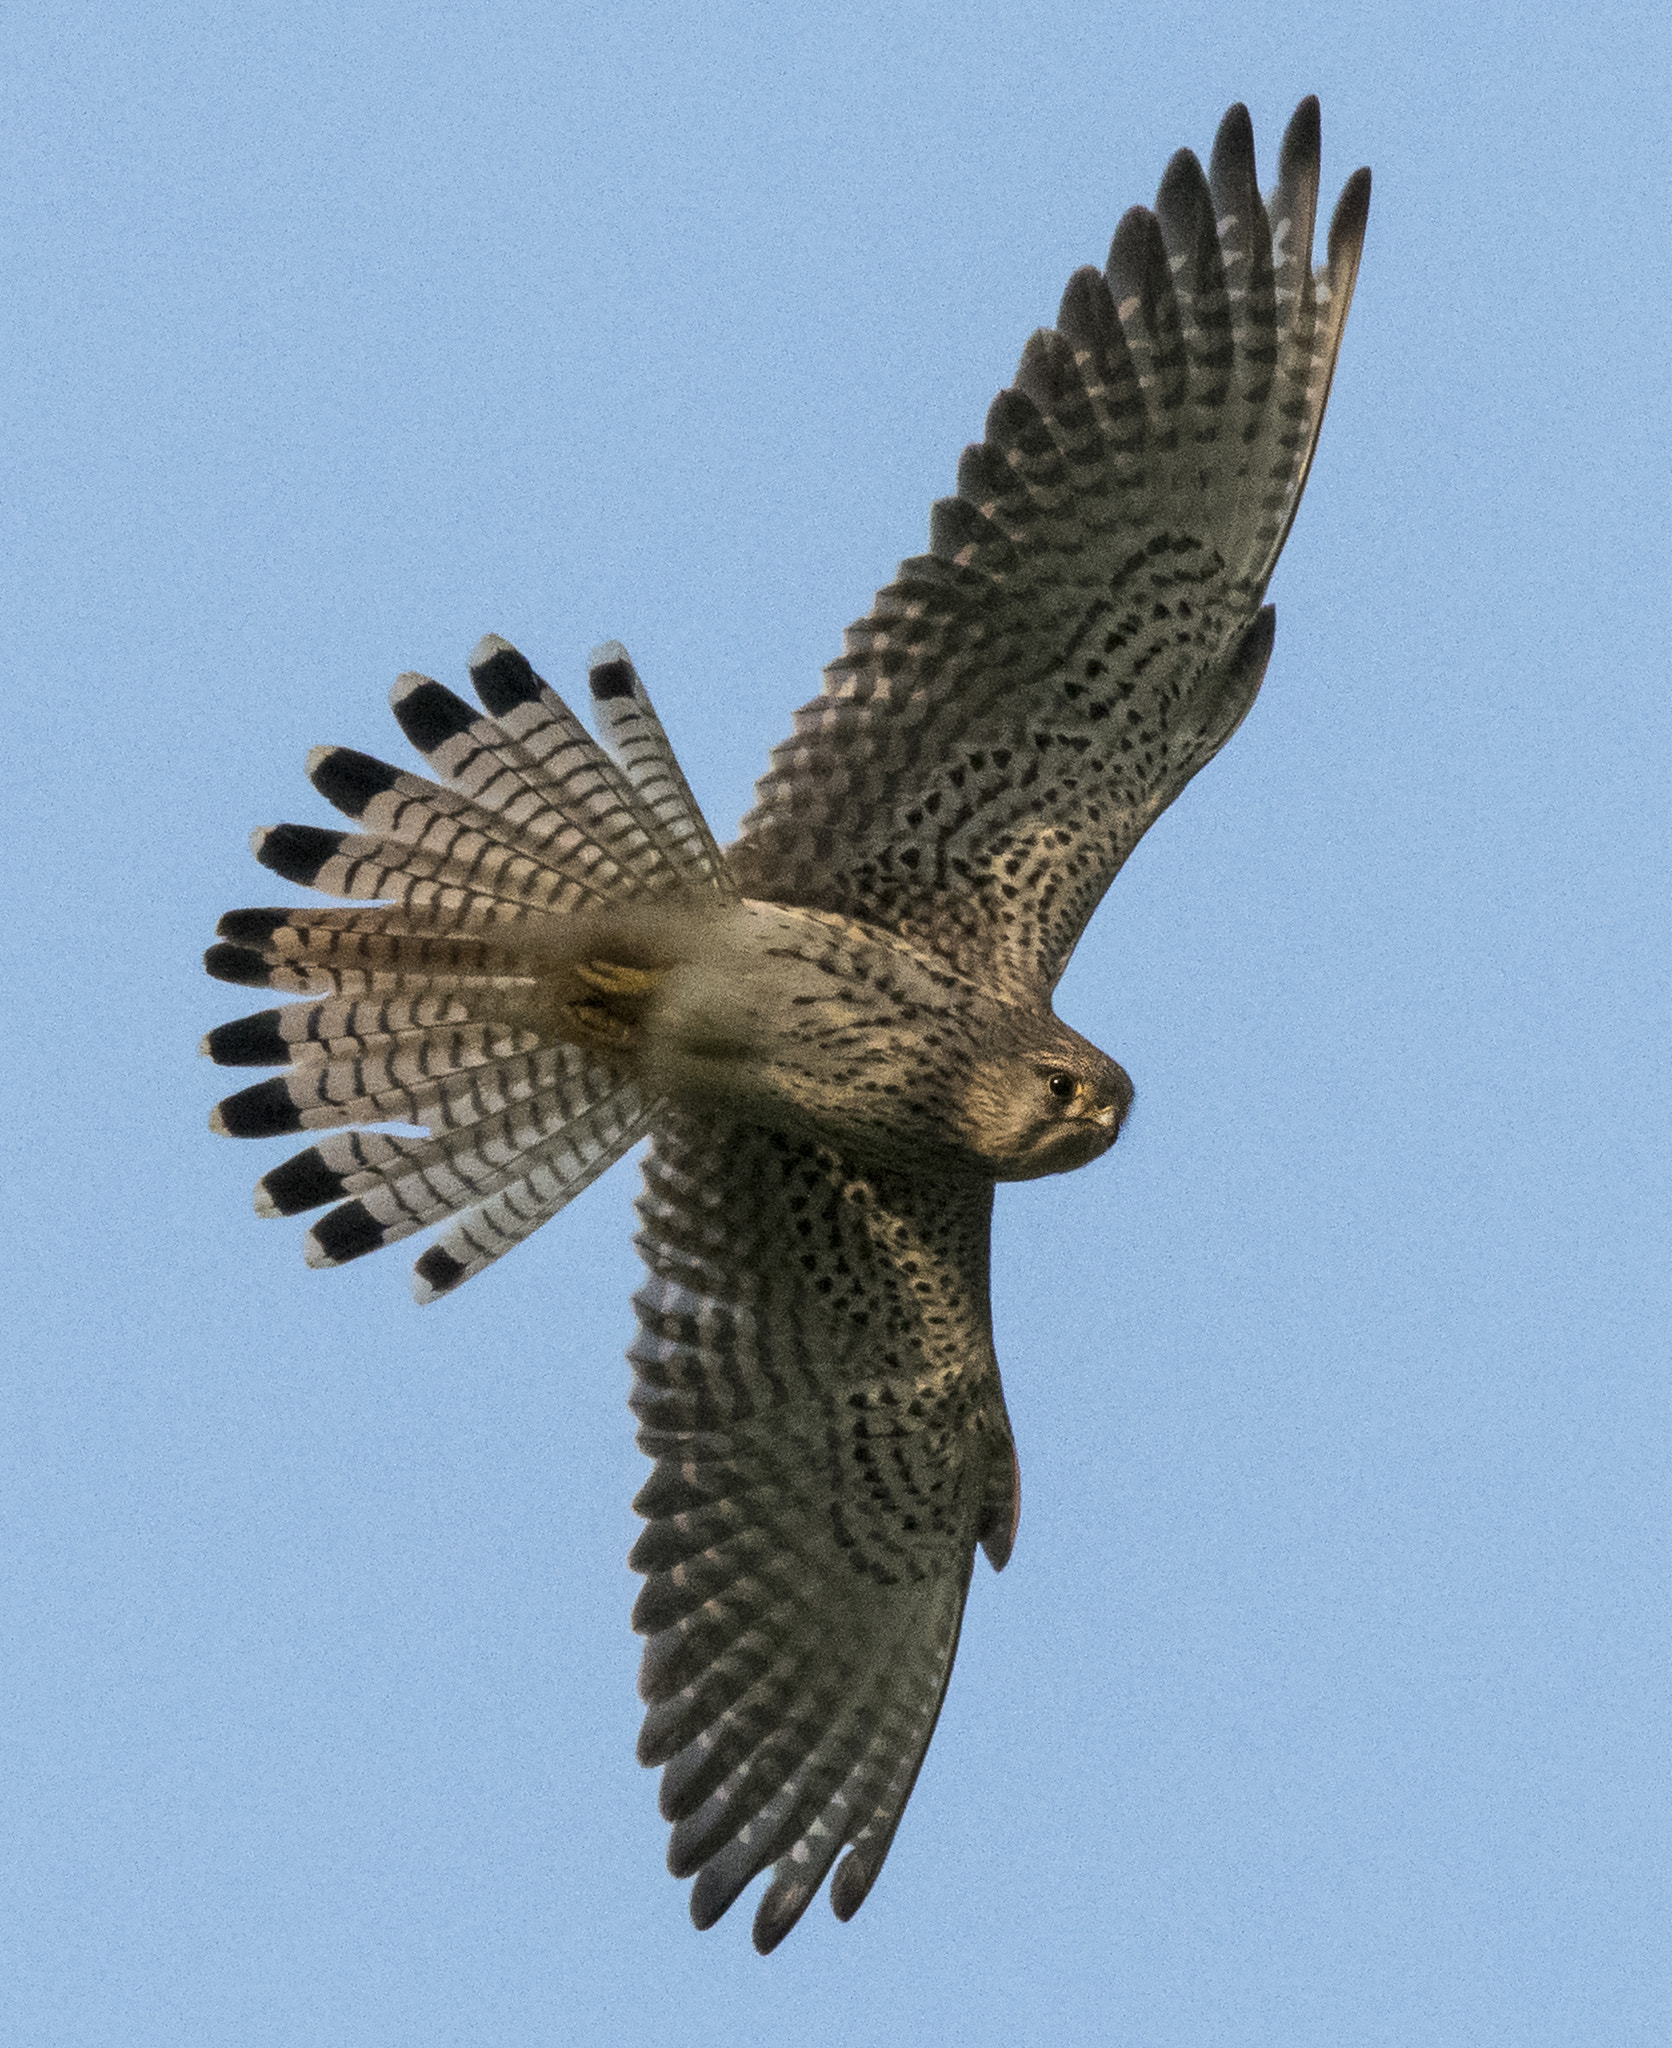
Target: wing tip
{"points": [[851, 1885], [1348, 223], [1301, 152], [780, 1908], [240, 965], [1137, 257], [349, 779], [1183, 202], [348, 1232], [264, 1111]]}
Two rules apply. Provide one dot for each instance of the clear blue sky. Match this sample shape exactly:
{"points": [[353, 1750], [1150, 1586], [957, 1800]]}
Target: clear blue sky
{"points": [[1324, 1701]]}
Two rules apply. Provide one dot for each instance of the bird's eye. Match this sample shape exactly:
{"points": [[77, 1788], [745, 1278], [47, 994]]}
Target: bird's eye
{"points": [[1063, 1086]]}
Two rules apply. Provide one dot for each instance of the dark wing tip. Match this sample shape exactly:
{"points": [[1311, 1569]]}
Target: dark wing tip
{"points": [[1348, 222], [1133, 253], [1233, 176], [237, 964], [781, 1906], [252, 927], [1303, 143], [656, 1744], [1183, 188], [1046, 373], [1002, 1511], [264, 1111], [954, 525], [1228, 695], [707, 1904], [1233, 144], [1086, 318], [611, 679], [851, 1885], [1011, 417]]}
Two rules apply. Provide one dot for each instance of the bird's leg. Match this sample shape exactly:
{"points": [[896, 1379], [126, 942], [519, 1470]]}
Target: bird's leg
{"points": [[611, 1020], [610, 978]]}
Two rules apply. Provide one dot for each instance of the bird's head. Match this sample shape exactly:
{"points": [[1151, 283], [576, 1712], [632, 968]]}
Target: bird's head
{"points": [[1045, 1105]]}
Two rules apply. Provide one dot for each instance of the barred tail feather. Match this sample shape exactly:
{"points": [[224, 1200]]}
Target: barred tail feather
{"points": [[556, 1174], [365, 953], [630, 729], [296, 1032], [555, 1148], [503, 777]]}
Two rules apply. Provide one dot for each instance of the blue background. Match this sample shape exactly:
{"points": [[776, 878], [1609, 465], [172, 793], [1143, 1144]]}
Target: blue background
{"points": [[1325, 1699]]}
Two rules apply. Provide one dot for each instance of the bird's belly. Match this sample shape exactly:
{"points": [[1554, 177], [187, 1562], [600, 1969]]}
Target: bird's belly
{"points": [[799, 1018]]}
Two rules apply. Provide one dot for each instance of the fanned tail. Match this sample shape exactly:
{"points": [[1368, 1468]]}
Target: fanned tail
{"points": [[444, 1005]]}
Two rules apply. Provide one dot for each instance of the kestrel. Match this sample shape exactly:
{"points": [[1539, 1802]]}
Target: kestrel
{"points": [[837, 1034]]}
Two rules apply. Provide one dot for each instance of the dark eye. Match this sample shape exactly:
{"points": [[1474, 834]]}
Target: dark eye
{"points": [[1063, 1086]]}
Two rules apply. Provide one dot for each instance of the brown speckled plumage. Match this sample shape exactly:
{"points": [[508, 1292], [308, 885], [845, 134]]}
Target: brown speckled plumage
{"points": [[837, 1034]]}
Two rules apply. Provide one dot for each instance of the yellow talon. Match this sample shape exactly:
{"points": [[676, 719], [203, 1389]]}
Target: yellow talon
{"points": [[592, 1025], [610, 978]]}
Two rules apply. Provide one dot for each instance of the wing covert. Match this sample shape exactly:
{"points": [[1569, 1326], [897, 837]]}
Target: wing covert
{"points": [[1087, 629], [814, 1377]]}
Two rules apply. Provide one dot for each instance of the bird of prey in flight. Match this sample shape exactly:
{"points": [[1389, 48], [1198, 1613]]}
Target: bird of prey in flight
{"points": [[837, 1033]]}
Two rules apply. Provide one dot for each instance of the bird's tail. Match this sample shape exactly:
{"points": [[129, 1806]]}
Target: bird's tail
{"points": [[459, 998]]}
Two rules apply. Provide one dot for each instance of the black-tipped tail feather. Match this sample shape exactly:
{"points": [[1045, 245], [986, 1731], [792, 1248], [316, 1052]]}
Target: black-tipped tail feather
{"points": [[438, 1004]]}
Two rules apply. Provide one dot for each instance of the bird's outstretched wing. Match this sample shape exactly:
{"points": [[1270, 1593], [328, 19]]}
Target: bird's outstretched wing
{"points": [[814, 1377], [1086, 631]]}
